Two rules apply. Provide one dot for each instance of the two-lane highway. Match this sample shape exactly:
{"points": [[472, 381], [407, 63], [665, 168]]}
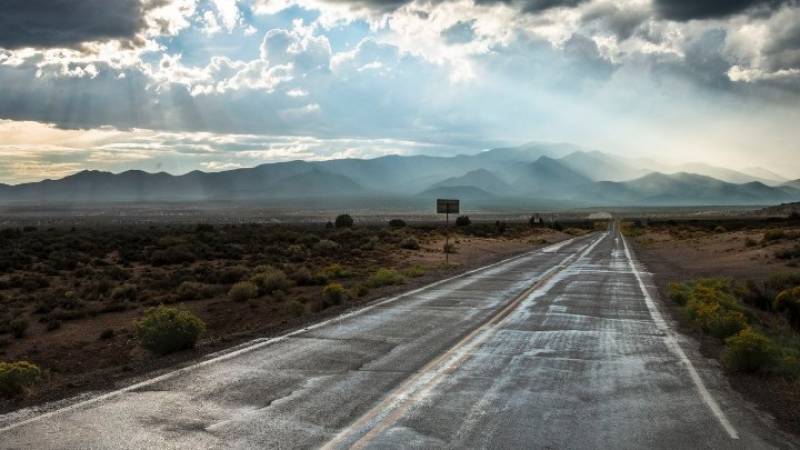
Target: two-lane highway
{"points": [[559, 348]]}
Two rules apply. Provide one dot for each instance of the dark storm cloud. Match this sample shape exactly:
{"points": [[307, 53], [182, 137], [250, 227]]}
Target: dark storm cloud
{"points": [[684, 10], [68, 23], [623, 23], [534, 6]]}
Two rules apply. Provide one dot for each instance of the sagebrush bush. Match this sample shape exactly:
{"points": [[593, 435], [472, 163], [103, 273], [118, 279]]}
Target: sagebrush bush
{"points": [[326, 247], [243, 291], [302, 276], [336, 271], [125, 291], [165, 330], [359, 290], [269, 280], [789, 301], [711, 305], [385, 277], [343, 221], [409, 243], [18, 377], [747, 351], [463, 221], [450, 248], [397, 223], [774, 235], [414, 271], [333, 293], [191, 290], [679, 293]]}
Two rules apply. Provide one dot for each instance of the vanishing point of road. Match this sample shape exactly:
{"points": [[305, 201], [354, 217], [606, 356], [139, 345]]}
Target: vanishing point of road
{"points": [[563, 347]]}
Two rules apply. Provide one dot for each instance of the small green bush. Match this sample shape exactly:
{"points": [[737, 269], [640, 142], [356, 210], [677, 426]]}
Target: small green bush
{"points": [[747, 351], [243, 291], [165, 330], [397, 223], [326, 247], [343, 221], [333, 293], [18, 377], [336, 271], [789, 301], [409, 243], [414, 271], [269, 279], [302, 276], [125, 291], [385, 277], [720, 229], [359, 290], [191, 290], [679, 293], [463, 221], [450, 248]]}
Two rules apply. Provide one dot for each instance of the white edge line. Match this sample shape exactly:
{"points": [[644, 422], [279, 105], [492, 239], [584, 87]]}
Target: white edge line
{"points": [[263, 342], [672, 343]]}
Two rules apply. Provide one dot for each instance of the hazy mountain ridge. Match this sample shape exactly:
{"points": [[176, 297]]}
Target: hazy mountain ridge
{"points": [[520, 175]]}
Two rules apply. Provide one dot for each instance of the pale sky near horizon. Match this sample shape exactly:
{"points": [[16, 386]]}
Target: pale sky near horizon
{"points": [[179, 85]]}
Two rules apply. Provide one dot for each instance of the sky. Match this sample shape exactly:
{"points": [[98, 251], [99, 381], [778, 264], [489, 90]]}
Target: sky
{"points": [[181, 85]]}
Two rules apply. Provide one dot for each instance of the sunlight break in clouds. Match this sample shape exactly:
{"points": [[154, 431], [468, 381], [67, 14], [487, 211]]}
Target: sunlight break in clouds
{"points": [[717, 82]]}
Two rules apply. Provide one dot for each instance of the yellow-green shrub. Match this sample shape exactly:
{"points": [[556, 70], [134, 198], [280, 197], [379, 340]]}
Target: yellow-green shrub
{"points": [[165, 330], [333, 293], [243, 291], [17, 377], [789, 301], [748, 351], [385, 277], [711, 306]]}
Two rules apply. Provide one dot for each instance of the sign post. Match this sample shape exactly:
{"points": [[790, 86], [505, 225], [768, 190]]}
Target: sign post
{"points": [[446, 207]]}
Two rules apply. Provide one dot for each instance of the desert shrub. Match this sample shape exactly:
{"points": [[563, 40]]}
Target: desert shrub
{"points": [[106, 334], [343, 221], [779, 282], [336, 271], [333, 293], [720, 229], [414, 271], [747, 351], [450, 248], [789, 301], [295, 308], [230, 275], [269, 279], [125, 291], [178, 254], [463, 221], [359, 290], [679, 293], [712, 306], [397, 223], [18, 377], [385, 277], [409, 243], [326, 247], [243, 291], [191, 290], [18, 327], [297, 253], [774, 235], [302, 276], [750, 242], [165, 330]]}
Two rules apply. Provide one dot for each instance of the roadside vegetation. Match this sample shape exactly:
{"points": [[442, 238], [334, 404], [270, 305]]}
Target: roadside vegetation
{"points": [[83, 300]]}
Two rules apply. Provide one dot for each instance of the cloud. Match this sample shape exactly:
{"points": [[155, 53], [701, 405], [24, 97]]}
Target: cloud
{"points": [[683, 10]]}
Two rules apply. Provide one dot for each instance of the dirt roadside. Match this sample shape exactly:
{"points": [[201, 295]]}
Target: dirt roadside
{"points": [[672, 258]]}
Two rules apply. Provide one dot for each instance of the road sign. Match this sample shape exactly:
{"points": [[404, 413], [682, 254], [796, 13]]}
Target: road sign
{"points": [[447, 206]]}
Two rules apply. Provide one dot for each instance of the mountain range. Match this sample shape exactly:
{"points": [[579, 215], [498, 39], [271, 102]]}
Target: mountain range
{"points": [[529, 175]]}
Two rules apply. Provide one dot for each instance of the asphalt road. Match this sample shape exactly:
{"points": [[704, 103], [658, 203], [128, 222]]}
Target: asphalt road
{"points": [[560, 348]]}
